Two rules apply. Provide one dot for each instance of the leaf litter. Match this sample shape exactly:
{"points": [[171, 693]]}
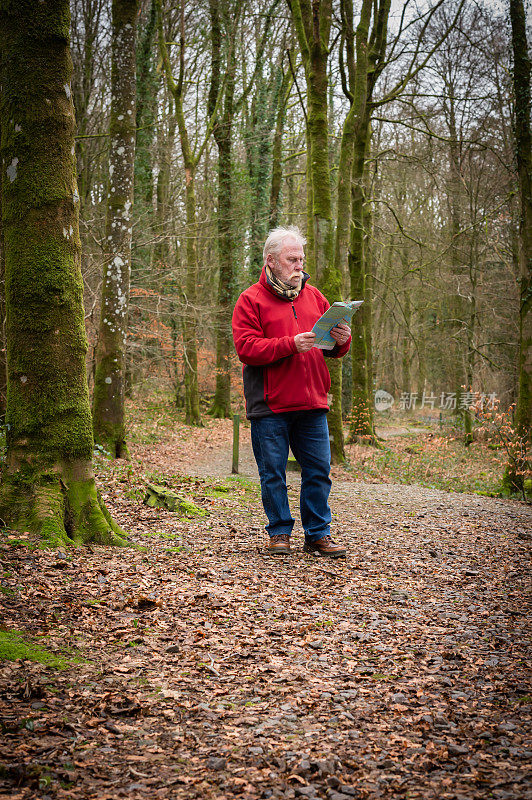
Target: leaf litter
{"points": [[205, 668]]}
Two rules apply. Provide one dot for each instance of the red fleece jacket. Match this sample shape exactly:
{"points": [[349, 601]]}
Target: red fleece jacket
{"points": [[276, 377]]}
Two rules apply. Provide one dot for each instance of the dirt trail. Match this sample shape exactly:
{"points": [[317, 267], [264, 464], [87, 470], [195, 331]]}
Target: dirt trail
{"points": [[214, 671]]}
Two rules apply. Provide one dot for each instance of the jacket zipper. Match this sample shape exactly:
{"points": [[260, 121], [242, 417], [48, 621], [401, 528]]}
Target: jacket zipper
{"points": [[305, 366]]}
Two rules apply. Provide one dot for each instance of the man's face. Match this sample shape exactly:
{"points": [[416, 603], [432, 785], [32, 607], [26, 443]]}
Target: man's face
{"points": [[288, 265]]}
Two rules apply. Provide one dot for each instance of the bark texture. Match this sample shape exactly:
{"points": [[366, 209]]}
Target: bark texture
{"points": [[47, 486], [109, 379]]}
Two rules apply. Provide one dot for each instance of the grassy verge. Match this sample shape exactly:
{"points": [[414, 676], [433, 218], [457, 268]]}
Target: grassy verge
{"points": [[439, 461]]}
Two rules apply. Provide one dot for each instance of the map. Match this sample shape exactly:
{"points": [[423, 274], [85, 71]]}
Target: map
{"points": [[338, 312]]}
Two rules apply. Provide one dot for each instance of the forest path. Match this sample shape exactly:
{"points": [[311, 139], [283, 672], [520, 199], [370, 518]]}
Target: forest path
{"points": [[211, 670], [433, 509]]}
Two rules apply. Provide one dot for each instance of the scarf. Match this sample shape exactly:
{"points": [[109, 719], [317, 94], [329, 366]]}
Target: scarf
{"points": [[281, 288]]}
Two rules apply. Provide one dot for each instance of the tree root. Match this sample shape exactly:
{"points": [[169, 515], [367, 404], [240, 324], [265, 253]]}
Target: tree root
{"points": [[58, 508], [219, 411]]}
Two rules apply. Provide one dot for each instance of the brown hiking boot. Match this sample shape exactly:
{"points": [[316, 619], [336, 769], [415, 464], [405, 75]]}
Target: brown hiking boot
{"points": [[279, 545], [325, 547]]}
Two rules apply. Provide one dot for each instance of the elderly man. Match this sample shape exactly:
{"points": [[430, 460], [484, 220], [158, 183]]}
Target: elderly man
{"points": [[286, 381]]}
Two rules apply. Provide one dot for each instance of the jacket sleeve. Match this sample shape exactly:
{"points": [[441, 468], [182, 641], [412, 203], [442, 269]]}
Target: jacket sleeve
{"points": [[252, 346], [337, 351]]}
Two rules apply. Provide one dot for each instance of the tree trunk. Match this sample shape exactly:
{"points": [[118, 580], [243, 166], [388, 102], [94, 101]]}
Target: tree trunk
{"points": [[221, 406], [313, 30], [223, 134], [3, 362], [277, 155], [85, 27], [109, 379], [405, 359], [521, 82], [343, 215], [190, 328], [259, 150], [317, 85], [360, 427], [367, 309], [361, 415], [190, 160], [48, 485], [309, 255], [456, 322], [162, 227], [146, 110]]}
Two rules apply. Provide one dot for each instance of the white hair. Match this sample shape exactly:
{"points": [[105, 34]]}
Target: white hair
{"points": [[276, 239]]}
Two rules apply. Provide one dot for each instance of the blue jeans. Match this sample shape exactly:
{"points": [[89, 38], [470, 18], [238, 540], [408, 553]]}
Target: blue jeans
{"points": [[307, 433]]}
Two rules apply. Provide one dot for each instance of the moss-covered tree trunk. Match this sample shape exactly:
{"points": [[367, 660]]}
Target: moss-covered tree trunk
{"points": [[370, 51], [523, 140], [313, 25], [309, 254], [343, 205], [277, 152], [3, 362], [109, 378], [360, 415], [146, 109], [48, 485]]}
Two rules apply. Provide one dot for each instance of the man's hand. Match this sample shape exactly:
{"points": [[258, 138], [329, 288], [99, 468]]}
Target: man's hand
{"points": [[304, 341], [341, 333]]}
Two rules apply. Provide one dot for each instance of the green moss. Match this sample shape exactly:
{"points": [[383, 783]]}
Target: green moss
{"points": [[158, 496], [14, 646], [60, 511], [50, 404], [218, 491], [160, 535], [249, 486]]}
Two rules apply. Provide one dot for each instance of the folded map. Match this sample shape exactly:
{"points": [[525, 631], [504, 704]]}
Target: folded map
{"points": [[338, 312]]}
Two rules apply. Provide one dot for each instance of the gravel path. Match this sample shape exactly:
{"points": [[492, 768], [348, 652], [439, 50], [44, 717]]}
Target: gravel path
{"points": [[417, 507]]}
